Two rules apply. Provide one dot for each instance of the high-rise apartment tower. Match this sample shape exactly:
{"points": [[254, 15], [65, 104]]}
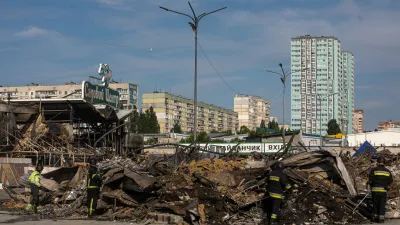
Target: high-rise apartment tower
{"points": [[317, 84]]}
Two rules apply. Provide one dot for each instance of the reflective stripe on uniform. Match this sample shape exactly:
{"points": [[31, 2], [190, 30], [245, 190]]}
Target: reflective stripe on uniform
{"points": [[273, 216], [274, 195], [381, 173], [89, 186], [378, 189], [91, 206], [288, 186], [274, 178]]}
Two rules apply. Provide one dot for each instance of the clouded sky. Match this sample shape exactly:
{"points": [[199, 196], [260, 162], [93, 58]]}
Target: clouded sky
{"points": [[53, 42]]}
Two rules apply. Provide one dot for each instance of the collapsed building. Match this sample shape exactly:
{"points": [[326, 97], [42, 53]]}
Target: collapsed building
{"points": [[189, 187]]}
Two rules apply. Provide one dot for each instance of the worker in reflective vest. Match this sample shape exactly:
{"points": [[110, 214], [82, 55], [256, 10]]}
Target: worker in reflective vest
{"points": [[379, 180], [93, 187], [278, 182], [34, 183]]}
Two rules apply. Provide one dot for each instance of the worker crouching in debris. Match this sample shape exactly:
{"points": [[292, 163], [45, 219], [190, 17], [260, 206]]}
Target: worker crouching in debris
{"points": [[93, 187], [34, 181], [278, 182], [379, 180]]}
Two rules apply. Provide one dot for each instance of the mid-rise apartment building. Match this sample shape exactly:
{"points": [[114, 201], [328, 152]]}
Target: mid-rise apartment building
{"points": [[348, 93], [317, 84], [128, 92], [251, 110], [358, 121], [171, 109], [389, 125]]}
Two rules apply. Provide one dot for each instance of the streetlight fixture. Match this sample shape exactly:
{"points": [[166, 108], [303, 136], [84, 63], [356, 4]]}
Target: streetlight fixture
{"points": [[283, 77], [196, 19]]}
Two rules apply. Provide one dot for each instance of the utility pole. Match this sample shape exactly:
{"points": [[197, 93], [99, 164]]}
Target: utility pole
{"points": [[319, 97], [194, 26], [283, 77], [8, 119]]}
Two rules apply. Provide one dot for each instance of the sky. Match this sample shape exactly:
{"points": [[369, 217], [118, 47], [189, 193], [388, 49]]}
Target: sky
{"points": [[53, 42]]}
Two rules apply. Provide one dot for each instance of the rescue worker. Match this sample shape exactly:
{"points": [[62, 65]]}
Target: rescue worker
{"points": [[93, 187], [379, 180], [34, 181], [278, 182]]}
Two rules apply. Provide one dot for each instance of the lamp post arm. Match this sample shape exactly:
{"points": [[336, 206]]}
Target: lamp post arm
{"points": [[205, 14], [194, 14], [274, 72], [169, 10]]}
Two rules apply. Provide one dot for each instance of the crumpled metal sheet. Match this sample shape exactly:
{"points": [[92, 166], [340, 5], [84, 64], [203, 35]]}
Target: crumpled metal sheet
{"points": [[144, 181], [80, 175], [50, 185], [121, 196], [306, 158]]}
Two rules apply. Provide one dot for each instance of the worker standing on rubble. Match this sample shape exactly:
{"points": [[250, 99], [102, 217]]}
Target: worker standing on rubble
{"points": [[379, 180], [278, 182], [93, 187], [34, 181]]}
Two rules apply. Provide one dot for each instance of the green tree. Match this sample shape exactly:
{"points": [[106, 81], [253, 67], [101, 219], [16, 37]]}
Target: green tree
{"points": [[262, 125], [133, 119], [237, 140], [273, 125], [152, 121], [142, 125], [202, 137], [147, 122], [177, 128], [333, 127], [244, 130]]}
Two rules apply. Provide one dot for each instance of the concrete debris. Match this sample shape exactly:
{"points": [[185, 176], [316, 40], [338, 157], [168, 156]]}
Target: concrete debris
{"points": [[180, 189]]}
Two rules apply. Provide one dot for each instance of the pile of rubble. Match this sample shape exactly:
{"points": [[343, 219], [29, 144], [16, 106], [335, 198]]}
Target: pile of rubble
{"points": [[223, 190]]}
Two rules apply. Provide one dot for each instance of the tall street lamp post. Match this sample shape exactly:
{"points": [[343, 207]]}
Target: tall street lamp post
{"points": [[319, 96], [283, 76], [196, 19]]}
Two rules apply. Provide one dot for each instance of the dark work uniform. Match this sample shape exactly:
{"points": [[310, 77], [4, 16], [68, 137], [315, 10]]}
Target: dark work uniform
{"points": [[93, 189], [379, 179], [277, 183]]}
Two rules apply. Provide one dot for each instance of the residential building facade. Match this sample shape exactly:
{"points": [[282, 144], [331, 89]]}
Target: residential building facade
{"points": [[389, 126], [171, 109], [358, 121], [348, 93], [251, 110], [128, 92], [317, 84]]}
